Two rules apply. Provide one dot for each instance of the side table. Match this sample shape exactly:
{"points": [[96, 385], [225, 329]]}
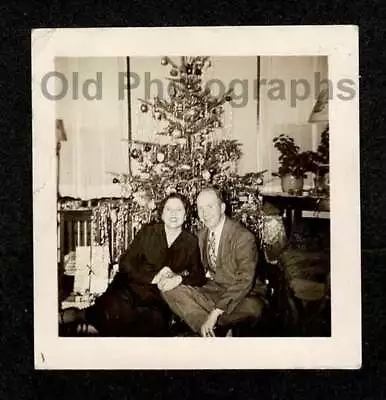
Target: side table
{"points": [[292, 206]]}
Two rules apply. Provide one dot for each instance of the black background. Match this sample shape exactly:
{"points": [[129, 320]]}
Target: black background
{"points": [[18, 380]]}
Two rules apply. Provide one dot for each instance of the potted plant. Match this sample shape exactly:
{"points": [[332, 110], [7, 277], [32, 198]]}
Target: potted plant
{"points": [[293, 163]]}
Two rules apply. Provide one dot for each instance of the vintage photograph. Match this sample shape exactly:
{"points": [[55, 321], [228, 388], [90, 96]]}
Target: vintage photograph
{"points": [[192, 196]]}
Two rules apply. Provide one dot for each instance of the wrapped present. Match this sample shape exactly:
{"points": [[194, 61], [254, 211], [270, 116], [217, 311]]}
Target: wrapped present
{"points": [[91, 269], [99, 274]]}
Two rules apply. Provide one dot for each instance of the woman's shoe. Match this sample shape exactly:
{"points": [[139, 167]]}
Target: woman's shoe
{"points": [[69, 315], [68, 321]]}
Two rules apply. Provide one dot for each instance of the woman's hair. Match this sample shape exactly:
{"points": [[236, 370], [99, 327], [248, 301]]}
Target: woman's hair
{"points": [[178, 196]]}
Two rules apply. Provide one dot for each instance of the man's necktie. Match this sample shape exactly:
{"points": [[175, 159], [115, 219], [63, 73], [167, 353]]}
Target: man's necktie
{"points": [[212, 252]]}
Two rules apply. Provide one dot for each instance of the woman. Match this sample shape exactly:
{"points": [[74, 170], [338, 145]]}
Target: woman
{"points": [[161, 256]]}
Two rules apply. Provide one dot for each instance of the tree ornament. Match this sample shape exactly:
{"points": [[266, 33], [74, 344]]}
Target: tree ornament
{"points": [[170, 190], [189, 69], [115, 180], [147, 147], [144, 108], [198, 71], [160, 157], [228, 98], [134, 154], [164, 61], [173, 72], [206, 175], [172, 90], [177, 133], [158, 169], [158, 115], [151, 205]]}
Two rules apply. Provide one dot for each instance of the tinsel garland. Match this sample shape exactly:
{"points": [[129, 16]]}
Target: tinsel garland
{"points": [[100, 223], [115, 222], [119, 227]]}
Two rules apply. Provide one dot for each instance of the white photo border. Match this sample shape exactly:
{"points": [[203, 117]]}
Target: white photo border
{"points": [[343, 350]]}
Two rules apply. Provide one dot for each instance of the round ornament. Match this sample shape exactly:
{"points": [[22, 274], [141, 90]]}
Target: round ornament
{"points": [[173, 72], [160, 157], [206, 174], [144, 108], [176, 133], [147, 148], [115, 180], [164, 61], [228, 98], [134, 154]]}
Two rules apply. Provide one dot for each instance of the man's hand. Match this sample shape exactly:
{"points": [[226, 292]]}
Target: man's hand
{"points": [[169, 283], [207, 328]]}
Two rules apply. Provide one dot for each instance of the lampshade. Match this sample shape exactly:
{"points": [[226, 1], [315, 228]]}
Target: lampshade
{"points": [[320, 111], [61, 135]]}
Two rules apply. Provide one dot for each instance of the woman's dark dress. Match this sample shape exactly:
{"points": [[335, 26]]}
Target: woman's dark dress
{"points": [[132, 305]]}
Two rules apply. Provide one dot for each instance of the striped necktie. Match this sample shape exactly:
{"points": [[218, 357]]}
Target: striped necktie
{"points": [[212, 252]]}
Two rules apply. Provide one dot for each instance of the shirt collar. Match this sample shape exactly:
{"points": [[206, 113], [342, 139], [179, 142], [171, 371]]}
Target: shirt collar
{"points": [[217, 231]]}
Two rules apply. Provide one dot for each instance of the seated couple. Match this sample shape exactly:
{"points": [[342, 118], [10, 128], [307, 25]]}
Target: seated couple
{"points": [[207, 282]]}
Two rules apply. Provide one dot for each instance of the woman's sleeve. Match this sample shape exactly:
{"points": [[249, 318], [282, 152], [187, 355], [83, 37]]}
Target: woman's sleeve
{"points": [[196, 273], [133, 261]]}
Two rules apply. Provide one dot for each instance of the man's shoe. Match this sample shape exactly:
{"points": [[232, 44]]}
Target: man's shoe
{"points": [[222, 331]]}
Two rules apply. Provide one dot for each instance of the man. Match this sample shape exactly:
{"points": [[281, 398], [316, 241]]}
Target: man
{"points": [[229, 255]]}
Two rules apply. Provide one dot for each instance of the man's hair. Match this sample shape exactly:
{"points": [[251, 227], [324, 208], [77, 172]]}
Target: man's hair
{"points": [[216, 190]]}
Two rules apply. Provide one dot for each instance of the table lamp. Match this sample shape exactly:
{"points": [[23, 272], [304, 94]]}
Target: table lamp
{"points": [[319, 112]]}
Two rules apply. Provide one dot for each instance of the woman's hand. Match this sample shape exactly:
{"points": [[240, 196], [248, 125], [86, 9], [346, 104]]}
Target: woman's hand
{"points": [[169, 283], [164, 273]]}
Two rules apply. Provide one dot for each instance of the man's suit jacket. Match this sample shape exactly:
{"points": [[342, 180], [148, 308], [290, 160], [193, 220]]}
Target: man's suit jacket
{"points": [[236, 263]]}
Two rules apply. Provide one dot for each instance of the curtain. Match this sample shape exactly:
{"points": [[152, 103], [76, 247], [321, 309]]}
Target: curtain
{"points": [[97, 128]]}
